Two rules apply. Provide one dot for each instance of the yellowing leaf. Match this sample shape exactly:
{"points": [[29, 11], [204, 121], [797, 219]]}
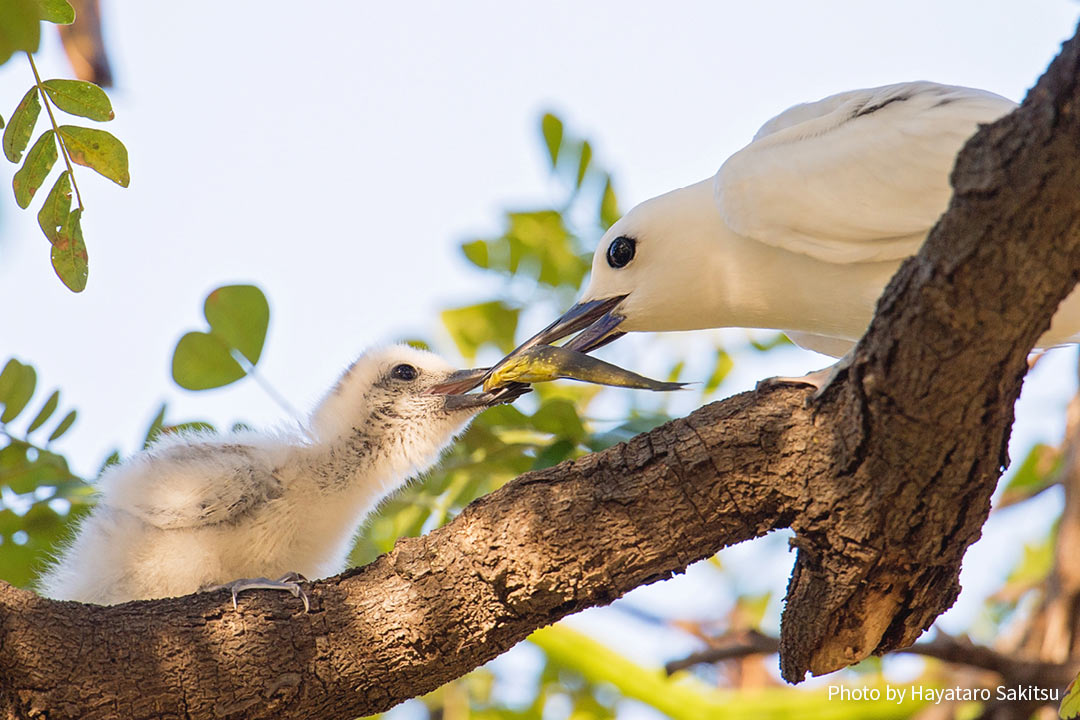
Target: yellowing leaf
{"points": [[1070, 704], [477, 253], [583, 161], [81, 98], [552, 129], [609, 206], [69, 258], [98, 150], [21, 126], [54, 211], [723, 366], [39, 161]]}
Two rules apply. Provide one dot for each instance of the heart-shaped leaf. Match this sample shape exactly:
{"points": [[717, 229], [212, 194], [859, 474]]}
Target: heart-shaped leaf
{"points": [[39, 161], [238, 316]]}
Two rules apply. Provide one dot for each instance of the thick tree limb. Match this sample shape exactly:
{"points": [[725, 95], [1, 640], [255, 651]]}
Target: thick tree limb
{"points": [[886, 482]]}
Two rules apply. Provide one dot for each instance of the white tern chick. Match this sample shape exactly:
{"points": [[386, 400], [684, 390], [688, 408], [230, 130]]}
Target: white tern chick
{"points": [[196, 510]]}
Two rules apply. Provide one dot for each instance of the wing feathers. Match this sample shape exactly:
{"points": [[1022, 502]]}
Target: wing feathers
{"points": [[856, 177]]}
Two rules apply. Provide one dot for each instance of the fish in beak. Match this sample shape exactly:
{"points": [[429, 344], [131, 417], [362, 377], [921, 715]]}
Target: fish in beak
{"points": [[597, 319], [455, 399], [542, 363]]}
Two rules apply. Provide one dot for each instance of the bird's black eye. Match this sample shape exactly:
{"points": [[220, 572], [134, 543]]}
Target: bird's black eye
{"points": [[404, 372], [621, 251]]}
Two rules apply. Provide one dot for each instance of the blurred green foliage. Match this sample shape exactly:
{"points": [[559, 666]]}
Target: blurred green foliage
{"points": [[539, 259]]}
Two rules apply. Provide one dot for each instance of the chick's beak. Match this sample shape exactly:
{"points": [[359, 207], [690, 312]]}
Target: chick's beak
{"points": [[454, 387]]}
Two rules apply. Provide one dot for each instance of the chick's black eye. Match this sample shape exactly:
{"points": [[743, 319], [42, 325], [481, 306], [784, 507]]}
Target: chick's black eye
{"points": [[621, 251], [404, 372]]}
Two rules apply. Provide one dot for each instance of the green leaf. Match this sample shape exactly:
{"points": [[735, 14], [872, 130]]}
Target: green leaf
{"points": [[56, 209], [477, 253], [472, 326], [98, 150], [81, 98], [552, 129], [45, 413], [156, 426], [1070, 704], [69, 258], [723, 366], [559, 417], [238, 316], [64, 426], [111, 459], [21, 126], [554, 454], [20, 28], [539, 244], [583, 161], [609, 206], [39, 161], [58, 12], [1038, 471], [203, 362], [17, 382], [778, 340]]}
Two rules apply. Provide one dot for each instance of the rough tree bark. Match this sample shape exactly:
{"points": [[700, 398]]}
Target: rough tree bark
{"points": [[886, 482]]}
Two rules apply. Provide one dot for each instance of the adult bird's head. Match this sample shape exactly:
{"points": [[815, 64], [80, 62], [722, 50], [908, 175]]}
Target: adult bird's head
{"points": [[650, 272]]}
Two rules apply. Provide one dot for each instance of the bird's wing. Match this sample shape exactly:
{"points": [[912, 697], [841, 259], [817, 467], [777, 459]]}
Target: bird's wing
{"points": [[857, 177], [190, 482]]}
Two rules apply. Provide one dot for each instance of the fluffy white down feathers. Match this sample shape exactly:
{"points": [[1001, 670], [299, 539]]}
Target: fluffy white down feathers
{"points": [[197, 510]]}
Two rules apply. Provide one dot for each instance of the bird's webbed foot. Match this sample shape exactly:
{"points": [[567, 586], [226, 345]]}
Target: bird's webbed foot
{"points": [[289, 582], [820, 380]]}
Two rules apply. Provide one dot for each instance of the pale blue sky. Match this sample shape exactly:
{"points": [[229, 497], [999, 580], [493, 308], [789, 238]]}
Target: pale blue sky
{"points": [[335, 153]]}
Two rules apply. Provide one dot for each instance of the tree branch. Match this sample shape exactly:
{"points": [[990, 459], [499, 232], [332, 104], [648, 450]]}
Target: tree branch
{"points": [[958, 651], [886, 482]]}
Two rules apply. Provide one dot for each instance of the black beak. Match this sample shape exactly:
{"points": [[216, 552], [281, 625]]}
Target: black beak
{"points": [[458, 383], [595, 317]]}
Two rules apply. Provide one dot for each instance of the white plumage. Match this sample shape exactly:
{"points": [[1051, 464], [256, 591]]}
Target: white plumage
{"points": [[800, 230], [198, 510]]}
